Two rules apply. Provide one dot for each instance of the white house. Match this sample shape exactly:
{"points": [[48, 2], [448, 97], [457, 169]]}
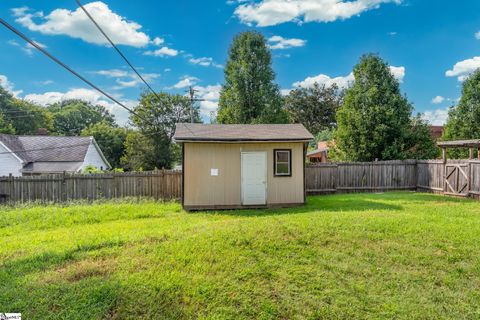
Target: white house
{"points": [[33, 155]]}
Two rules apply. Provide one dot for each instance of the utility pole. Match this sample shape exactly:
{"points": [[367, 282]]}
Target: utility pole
{"points": [[191, 92], [213, 116]]}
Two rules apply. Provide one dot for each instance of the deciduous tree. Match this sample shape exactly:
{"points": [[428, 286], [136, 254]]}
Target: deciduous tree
{"points": [[315, 107], [70, 117], [151, 147], [110, 139], [464, 120]]}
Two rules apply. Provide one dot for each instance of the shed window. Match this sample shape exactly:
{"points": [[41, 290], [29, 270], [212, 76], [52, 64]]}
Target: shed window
{"points": [[282, 162]]}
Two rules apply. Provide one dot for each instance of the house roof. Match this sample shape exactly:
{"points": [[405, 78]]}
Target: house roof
{"points": [[436, 132], [52, 167], [316, 151], [47, 148], [241, 132]]}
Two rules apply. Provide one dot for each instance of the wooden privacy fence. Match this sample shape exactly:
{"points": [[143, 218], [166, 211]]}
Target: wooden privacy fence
{"points": [[455, 177], [160, 185]]}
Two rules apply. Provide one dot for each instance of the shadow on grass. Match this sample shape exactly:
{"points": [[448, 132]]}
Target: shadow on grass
{"points": [[348, 202], [49, 260], [313, 204], [89, 297]]}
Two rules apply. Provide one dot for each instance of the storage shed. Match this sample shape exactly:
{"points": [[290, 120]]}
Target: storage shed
{"points": [[242, 166]]}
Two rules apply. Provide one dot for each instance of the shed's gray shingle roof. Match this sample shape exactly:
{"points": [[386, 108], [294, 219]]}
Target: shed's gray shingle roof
{"points": [[47, 148], [241, 132]]}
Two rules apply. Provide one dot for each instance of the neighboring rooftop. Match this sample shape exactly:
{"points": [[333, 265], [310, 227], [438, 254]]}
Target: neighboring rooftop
{"points": [[436, 132], [241, 132], [47, 148]]}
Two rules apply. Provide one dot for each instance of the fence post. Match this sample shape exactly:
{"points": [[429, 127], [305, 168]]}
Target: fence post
{"points": [[11, 181], [64, 187]]}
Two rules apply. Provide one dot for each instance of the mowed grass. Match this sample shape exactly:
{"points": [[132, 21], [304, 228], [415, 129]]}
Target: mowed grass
{"points": [[356, 256]]}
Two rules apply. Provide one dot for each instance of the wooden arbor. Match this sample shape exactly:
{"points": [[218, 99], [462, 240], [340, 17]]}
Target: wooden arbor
{"points": [[470, 144], [457, 176]]}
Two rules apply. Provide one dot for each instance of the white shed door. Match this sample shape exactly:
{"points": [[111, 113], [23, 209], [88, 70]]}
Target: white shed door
{"points": [[254, 178]]}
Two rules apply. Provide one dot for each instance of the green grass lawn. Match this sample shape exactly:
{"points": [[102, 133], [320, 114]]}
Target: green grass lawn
{"points": [[356, 256]]}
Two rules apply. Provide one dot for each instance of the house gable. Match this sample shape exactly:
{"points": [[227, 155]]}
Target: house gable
{"points": [[9, 162], [95, 157]]}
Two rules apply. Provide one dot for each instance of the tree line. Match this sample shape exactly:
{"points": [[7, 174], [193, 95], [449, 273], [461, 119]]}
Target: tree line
{"points": [[369, 120], [144, 144]]}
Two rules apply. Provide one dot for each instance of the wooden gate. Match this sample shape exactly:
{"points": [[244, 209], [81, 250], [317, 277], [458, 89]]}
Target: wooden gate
{"points": [[457, 181]]}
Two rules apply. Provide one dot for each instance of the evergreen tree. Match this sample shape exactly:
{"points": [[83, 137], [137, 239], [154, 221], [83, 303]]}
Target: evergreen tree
{"points": [[249, 94], [375, 120]]}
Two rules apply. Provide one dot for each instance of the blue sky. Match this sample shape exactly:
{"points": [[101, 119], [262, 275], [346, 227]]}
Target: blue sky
{"points": [[431, 46]]}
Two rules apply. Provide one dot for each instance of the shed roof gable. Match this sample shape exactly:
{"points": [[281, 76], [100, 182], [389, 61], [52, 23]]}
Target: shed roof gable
{"points": [[241, 132]]}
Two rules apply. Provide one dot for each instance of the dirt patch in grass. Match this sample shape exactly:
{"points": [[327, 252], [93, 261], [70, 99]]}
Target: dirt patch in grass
{"points": [[81, 270]]}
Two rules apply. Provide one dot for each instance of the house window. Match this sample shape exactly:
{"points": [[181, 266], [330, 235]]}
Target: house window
{"points": [[282, 162]]}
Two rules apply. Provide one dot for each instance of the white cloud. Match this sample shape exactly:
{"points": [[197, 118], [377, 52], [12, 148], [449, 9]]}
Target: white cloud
{"points": [[464, 68], [126, 79], [477, 35], [211, 95], [205, 62], [27, 48], [76, 24], [438, 100], [393, 33], [278, 42], [186, 81], [345, 81], [158, 41], [322, 79], [45, 82], [162, 52], [48, 98], [273, 12], [436, 117], [89, 95], [18, 12], [112, 73], [7, 85], [398, 73]]}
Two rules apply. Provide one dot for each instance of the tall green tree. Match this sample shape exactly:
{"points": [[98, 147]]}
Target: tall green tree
{"points": [[151, 146], [23, 116], [375, 120], [464, 120], [315, 107], [6, 127], [249, 94], [70, 117], [110, 139]]}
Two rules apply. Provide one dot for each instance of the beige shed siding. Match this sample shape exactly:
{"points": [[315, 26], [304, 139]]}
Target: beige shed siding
{"points": [[202, 189]]}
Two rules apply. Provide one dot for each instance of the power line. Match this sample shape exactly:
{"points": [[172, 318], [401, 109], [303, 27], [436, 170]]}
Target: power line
{"points": [[45, 52], [118, 50]]}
